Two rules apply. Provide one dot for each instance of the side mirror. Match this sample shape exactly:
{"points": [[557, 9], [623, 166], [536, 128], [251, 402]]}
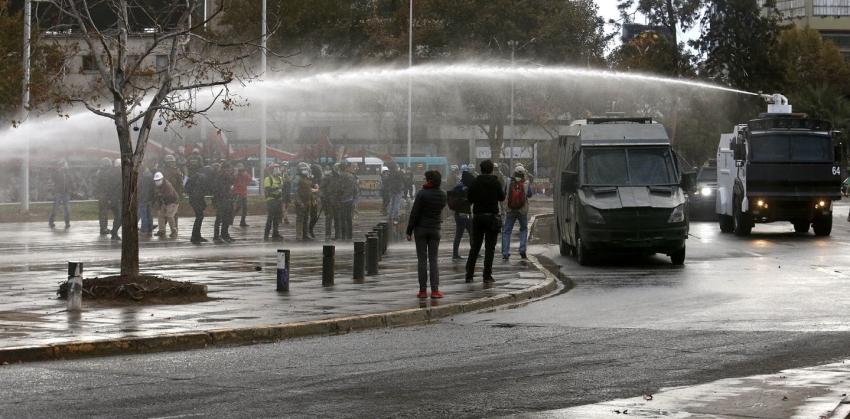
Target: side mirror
{"points": [[739, 149], [569, 182], [689, 182]]}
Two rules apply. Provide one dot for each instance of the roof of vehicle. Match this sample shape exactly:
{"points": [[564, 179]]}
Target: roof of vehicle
{"points": [[620, 132]]}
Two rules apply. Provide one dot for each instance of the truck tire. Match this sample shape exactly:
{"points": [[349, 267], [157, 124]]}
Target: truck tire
{"points": [[801, 226], [582, 255], [743, 223], [727, 224], [822, 226], [678, 257]]}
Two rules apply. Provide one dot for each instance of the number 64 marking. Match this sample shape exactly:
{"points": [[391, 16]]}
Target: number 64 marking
{"points": [[836, 170]]}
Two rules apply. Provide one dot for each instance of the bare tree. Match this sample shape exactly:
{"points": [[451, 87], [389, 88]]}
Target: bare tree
{"points": [[137, 87]]}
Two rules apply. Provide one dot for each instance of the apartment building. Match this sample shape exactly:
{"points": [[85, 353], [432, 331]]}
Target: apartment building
{"points": [[829, 17]]}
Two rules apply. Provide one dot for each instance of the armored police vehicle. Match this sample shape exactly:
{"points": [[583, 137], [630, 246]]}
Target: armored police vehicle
{"points": [[619, 190], [780, 167]]}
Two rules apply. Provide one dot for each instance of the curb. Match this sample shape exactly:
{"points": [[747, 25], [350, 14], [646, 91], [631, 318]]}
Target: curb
{"points": [[275, 332]]}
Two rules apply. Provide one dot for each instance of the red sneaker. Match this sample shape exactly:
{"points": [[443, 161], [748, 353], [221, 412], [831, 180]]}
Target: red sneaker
{"points": [[436, 294], [422, 294]]}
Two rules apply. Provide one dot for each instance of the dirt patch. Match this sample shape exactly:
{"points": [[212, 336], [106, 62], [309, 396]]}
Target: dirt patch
{"points": [[143, 289]]}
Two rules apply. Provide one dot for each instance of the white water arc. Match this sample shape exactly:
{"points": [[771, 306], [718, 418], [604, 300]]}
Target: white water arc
{"points": [[353, 89]]}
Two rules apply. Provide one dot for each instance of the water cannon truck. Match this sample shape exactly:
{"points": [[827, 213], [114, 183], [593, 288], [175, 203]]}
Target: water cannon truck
{"points": [[781, 166]]}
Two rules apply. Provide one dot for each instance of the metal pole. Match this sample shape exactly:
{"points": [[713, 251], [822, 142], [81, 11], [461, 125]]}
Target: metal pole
{"points": [[359, 260], [205, 15], [409, 83], [328, 252], [283, 270], [511, 155], [263, 139], [25, 105]]}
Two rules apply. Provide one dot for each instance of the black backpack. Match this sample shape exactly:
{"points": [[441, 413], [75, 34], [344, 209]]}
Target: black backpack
{"points": [[458, 200]]}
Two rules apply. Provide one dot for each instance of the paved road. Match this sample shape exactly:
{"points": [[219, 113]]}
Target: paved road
{"points": [[739, 307]]}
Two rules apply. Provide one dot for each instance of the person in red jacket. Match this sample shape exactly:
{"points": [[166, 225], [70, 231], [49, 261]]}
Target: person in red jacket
{"points": [[240, 189]]}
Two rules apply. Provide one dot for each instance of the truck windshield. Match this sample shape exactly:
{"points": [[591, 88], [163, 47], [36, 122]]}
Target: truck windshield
{"points": [[629, 166], [790, 148], [707, 174]]}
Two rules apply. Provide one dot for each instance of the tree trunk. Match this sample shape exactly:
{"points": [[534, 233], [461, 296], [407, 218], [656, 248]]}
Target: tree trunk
{"points": [[129, 207]]}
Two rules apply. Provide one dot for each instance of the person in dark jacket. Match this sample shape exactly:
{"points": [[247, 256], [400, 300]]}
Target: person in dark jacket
{"points": [[197, 187], [485, 194], [103, 183], [424, 222], [61, 193], [116, 196], [462, 220], [223, 198]]}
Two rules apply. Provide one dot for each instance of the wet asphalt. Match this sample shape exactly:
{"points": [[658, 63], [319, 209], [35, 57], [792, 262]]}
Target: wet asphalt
{"points": [[739, 307]]}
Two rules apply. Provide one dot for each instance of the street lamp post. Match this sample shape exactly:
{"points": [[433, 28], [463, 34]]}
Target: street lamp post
{"points": [[263, 134], [25, 105], [512, 44], [409, 84]]}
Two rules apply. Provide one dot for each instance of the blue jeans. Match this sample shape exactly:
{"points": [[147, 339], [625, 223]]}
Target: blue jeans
{"points": [[510, 218], [60, 199], [393, 207], [146, 218]]}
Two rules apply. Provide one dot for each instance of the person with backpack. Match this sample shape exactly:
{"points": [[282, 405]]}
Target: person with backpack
{"points": [[516, 209], [459, 203], [426, 216]]}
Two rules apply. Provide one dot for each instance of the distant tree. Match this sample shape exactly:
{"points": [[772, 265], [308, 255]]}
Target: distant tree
{"points": [[672, 15], [133, 93], [651, 52], [807, 60]]}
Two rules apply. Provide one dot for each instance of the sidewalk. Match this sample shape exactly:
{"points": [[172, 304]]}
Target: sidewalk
{"points": [[245, 305]]}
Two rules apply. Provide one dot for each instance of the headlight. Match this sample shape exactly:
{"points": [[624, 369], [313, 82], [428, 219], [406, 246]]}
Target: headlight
{"points": [[705, 191], [678, 215], [593, 216]]}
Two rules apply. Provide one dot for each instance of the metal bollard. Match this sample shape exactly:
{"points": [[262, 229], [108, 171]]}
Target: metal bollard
{"points": [[371, 254], [328, 252], [387, 237], [359, 260], [380, 233], [283, 270], [75, 289]]}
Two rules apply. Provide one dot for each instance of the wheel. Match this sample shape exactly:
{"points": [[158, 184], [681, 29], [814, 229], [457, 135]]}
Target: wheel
{"points": [[678, 257], [727, 224], [743, 224], [822, 226], [582, 255], [801, 226]]}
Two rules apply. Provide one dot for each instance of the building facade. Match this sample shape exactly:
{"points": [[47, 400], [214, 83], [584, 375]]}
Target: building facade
{"points": [[829, 17]]}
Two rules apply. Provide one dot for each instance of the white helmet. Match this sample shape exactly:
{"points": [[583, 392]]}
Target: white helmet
{"points": [[117, 163], [157, 178]]}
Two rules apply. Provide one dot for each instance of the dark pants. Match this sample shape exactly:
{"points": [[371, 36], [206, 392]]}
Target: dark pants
{"points": [[223, 218], [331, 222], [485, 230], [242, 206], [274, 211], [64, 200], [146, 218], [314, 218], [198, 207], [344, 215], [427, 247], [302, 222], [103, 211], [462, 223], [116, 217]]}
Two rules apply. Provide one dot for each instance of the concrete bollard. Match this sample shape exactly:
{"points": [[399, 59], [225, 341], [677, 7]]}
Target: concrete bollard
{"points": [[328, 252], [371, 254], [387, 237], [359, 260], [75, 289], [283, 270]]}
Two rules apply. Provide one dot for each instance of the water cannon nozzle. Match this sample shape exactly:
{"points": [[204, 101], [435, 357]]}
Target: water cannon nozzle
{"points": [[776, 103]]}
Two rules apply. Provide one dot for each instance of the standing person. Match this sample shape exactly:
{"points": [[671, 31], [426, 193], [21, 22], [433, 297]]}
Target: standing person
{"points": [[116, 195], [103, 183], [316, 176], [519, 190], [223, 196], [385, 192], [424, 222], [175, 176], [273, 189], [286, 191], [145, 196], [165, 201], [329, 192], [240, 189], [196, 187], [347, 195], [459, 200], [395, 187], [303, 199], [61, 193], [485, 194], [194, 162]]}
